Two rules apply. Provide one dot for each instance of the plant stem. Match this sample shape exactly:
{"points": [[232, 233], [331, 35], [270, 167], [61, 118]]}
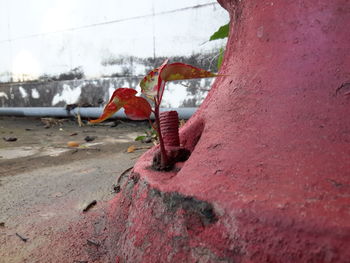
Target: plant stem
{"points": [[152, 125], [164, 157]]}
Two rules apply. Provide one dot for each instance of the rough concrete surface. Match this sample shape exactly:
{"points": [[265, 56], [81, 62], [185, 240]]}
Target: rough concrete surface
{"points": [[268, 175], [45, 186]]}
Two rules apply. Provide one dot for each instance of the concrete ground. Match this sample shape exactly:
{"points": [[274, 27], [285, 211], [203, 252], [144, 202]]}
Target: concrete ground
{"points": [[45, 185]]}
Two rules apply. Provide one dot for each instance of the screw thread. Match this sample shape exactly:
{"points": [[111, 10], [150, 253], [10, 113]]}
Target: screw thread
{"points": [[169, 125]]}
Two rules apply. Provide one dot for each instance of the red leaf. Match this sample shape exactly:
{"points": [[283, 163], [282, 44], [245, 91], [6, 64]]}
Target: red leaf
{"points": [[111, 108], [138, 109], [154, 82], [150, 83], [180, 71], [124, 94]]}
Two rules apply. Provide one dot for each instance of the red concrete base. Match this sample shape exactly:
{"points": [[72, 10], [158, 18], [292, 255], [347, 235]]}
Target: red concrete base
{"points": [[268, 178]]}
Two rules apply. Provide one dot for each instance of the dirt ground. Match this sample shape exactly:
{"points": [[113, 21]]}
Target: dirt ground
{"points": [[45, 185]]}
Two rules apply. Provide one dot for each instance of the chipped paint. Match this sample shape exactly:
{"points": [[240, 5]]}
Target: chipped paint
{"points": [[23, 92], [35, 94], [3, 95], [69, 95]]}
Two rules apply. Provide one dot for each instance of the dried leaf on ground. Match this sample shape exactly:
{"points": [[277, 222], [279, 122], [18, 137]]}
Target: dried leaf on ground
{"points": [[182, 123], [72, 144], [131, 149]]}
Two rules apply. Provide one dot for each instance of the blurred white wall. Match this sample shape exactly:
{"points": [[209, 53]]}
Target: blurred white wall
{"points": [[52, 36]]}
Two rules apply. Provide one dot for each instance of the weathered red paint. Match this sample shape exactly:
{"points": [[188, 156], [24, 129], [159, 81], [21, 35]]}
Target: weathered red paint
{"points": [[268, 177]]}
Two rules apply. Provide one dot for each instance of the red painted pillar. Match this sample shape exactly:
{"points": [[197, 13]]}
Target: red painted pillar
{"points": [[268, 179]]}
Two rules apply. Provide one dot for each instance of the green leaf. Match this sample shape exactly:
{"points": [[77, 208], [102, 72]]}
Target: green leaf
{"points": [[140, 138], [221, 56], [221, 33]]}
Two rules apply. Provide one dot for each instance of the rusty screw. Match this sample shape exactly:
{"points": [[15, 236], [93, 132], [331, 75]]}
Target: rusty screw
{"points": [[169, 125]]}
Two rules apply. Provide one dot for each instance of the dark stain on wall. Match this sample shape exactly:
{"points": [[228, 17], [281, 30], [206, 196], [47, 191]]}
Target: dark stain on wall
{"points": [[46, 91]]}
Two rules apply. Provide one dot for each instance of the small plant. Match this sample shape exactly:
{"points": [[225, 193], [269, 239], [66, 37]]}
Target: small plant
{"points": [[152, 86], [150, 136], [221, 33]]}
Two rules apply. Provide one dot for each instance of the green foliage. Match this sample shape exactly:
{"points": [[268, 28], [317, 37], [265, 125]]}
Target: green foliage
{"points": [[221, 56], [151, 136], [140, 138], [221, 33]]}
